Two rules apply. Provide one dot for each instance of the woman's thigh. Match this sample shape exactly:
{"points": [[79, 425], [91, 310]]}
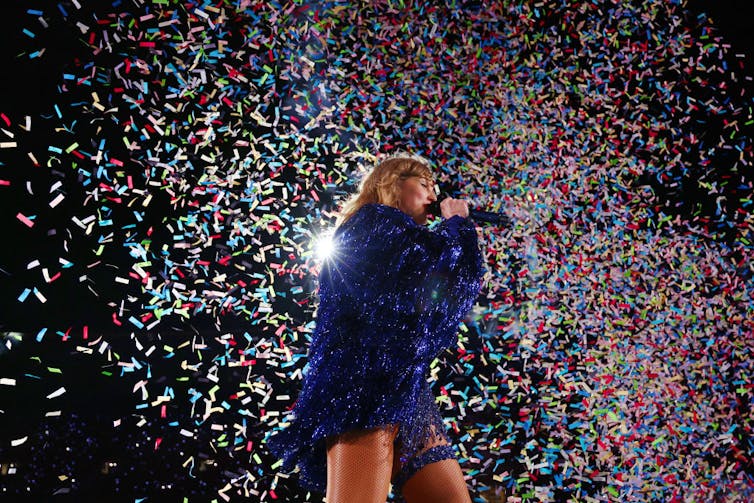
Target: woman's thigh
{"points": [[359, 465], [439, 482]]}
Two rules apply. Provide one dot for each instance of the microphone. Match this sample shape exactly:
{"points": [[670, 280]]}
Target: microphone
{"points": [[479, 216]]}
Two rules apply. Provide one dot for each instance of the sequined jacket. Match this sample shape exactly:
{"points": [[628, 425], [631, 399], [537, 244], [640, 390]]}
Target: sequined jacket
{"points": [[391, 299]]}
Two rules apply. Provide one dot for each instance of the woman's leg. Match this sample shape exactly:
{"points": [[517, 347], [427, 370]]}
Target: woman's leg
{"points": [[431, 472], [439, 482], [434, 475], [359, 465]]}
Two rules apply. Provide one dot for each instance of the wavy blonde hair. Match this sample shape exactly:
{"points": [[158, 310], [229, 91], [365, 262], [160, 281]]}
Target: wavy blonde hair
{"points": [[382, 184]]}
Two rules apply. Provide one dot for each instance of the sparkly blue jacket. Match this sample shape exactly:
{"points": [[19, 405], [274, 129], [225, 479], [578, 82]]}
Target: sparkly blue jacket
{"points": [[391, 299]]}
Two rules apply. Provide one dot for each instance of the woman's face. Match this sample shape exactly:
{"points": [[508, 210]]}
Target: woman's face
{"points": [[416, 194]]}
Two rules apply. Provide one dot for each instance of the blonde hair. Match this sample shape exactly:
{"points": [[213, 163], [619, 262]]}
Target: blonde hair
{"points": [[382, 185]]}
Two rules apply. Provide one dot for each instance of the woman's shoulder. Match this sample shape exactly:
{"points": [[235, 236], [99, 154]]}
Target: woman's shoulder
{"points": [[384, 209], [372, 214]]}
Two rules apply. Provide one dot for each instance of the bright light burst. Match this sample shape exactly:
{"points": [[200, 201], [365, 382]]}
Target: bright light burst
{"points": [[324, 246]]}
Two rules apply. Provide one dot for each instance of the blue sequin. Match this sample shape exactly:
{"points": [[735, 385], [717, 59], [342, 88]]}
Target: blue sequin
{"points": [[391, 299]]}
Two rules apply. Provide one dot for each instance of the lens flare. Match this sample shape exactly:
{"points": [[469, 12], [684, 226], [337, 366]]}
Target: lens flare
{"points": [[324, 246]]}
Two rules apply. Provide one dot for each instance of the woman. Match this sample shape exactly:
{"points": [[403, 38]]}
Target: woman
{"points": [[391, 299]]}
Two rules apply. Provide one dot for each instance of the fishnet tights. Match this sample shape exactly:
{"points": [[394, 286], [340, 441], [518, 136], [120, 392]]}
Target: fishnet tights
{"points": [[361, 463], [440, 482]]}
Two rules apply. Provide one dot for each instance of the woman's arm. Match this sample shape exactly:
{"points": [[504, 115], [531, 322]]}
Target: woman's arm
{"points": [[389, 267]]}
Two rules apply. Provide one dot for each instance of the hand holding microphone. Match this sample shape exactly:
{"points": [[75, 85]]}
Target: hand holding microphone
{"points": [[450, 207]]}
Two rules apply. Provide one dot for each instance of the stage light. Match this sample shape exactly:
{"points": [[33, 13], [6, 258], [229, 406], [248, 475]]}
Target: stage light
{"points": [[324, 246]]}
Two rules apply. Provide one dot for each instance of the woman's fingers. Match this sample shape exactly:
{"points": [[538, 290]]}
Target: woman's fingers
{"points": [[451, 207]]}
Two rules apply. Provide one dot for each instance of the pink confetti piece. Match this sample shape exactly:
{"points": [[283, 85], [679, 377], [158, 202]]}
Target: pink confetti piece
{"points": [[25, 220]]}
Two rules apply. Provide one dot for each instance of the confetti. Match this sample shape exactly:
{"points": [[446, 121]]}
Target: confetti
{"points": [[56, 393], [25, 220], [193, 155]]}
